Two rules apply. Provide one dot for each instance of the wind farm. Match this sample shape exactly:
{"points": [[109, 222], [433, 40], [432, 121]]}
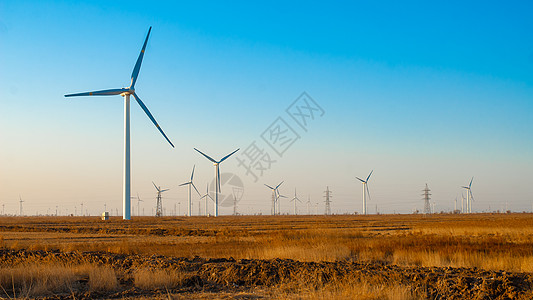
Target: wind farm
{"points": [[281, 109]]}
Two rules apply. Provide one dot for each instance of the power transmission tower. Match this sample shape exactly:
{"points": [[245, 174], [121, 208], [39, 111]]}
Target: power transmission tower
{"points": [[159, 206], [234, 205], [427, 205], [327, 195]]}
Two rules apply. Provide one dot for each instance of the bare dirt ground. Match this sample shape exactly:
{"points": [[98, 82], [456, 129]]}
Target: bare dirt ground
{"points": [[245, 278]]}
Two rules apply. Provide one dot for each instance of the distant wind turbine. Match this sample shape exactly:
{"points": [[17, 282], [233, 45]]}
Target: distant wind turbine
{"points": [[207, 196], [275, 197], [294, 200], [190, 183], [20, 201], [217, 174], [126, 92], [365, 190], [469, 196], [138, 204]]}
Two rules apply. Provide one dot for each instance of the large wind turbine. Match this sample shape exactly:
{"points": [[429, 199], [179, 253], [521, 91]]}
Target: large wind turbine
{"points": [[207, 196], [469, 196], [126, 92], [275, 197], [365, 190], [217, 175], [190, 183]]}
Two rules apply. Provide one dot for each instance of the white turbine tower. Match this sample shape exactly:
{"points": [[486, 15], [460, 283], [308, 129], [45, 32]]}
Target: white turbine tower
{"points": [[126, 92], [190, 183], [294, 200], [207, 196], [469, 196], [217, 175], [366, 192], [275, 198]]}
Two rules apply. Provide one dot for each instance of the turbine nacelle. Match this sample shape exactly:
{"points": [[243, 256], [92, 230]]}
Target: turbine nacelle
{"points": [[127, 91]]}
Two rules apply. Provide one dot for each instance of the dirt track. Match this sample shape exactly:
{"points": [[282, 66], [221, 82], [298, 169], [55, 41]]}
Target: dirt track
{"points": [[229, 275]]}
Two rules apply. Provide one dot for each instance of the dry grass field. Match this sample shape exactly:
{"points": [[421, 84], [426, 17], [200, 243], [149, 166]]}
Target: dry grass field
{"points": [[479, 256]]}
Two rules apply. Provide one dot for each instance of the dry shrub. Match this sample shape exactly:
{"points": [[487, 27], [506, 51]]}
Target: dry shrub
{"points": [[35, 280], [154, 279], [102, 279], [353, 290]]}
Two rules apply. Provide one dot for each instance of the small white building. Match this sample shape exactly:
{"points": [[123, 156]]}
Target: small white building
{"points": [[105, 215]]}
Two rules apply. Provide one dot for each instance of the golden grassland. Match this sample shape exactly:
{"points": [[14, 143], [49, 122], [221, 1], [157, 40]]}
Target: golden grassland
{"points": [[483, 241]]}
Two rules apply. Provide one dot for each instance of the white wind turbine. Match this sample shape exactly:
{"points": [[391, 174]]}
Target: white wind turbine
{"points": [[275, 198], [294, 200], [207, 196], [138, 204], [365, 190], [190, 183], [217, 175], [126, 92], [469, 196]]}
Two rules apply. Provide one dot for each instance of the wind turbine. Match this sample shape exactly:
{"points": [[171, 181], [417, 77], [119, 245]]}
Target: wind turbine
{"points": [[190, 183], [294, 200], [308, 204], [365, 190], [469, 196], [138, 205], [207, 196], [275, 197], [20, 201], [159, 205], [217, 174], [126, 92]]}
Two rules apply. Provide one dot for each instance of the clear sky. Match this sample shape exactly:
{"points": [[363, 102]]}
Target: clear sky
{"points": [[420, 92]]}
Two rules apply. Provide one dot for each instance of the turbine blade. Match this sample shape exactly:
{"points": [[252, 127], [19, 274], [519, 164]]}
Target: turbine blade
{"points": [[155, 186], [360, 179], [369, 175], [137, 67], [192, 174], [225, 157], [269, 187], [368, 192], [206, 156], [279, 184], [151, 117], [471, 182], [164, 190], [185, 183], [465, 187], [195, 188], [99, 93]]}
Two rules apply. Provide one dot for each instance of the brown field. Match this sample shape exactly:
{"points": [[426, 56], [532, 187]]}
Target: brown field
{"points": [[479, 256]]}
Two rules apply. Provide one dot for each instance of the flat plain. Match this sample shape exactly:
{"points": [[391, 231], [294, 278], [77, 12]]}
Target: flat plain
{"points": [[440, 256]]}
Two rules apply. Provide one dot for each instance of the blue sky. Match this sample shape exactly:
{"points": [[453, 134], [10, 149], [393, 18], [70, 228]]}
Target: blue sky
{"points": [[420, 92]]}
